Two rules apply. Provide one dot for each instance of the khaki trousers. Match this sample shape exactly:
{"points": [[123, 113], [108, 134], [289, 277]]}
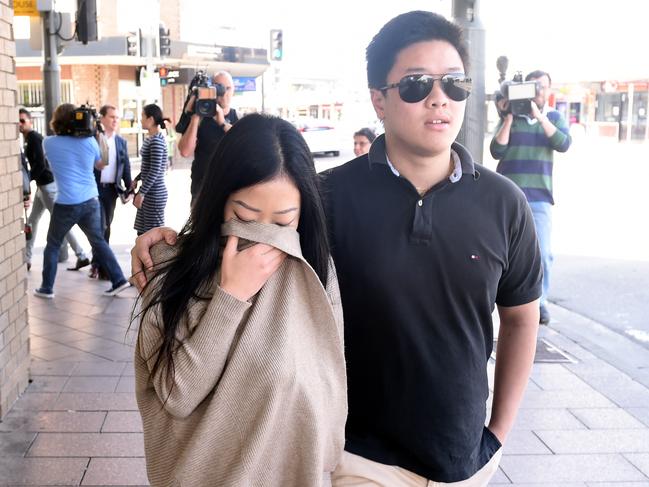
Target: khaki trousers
{"points": [[354, 470]]}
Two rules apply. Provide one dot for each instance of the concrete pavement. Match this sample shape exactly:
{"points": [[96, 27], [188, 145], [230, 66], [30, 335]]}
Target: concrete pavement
{"points": [[582, 423]]}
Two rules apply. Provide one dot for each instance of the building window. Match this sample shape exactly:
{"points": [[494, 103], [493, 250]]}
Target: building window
{"points": [[30, 93]]}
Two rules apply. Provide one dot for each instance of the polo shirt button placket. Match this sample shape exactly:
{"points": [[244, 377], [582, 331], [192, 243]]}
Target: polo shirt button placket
{"points": [[420, 202]]}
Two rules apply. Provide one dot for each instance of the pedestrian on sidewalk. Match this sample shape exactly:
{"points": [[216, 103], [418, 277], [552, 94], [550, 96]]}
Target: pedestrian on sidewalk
{"points": [[239, 366], [72, 160], [151, 198], [114, 179], [525, 146], [426, 243], [363, 140], [41, 173]]}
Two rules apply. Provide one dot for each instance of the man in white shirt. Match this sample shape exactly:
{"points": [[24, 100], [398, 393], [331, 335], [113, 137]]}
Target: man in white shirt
{"points": [[115, 178]]}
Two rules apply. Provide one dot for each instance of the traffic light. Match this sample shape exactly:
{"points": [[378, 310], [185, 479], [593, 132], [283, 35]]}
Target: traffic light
{"points": [[86, 21], [133, 44], [162, 73], [276, 45], [165, 42]]}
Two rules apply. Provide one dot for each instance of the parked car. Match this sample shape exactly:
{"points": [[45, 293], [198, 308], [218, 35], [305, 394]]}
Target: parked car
{"points": [[321, 136]]}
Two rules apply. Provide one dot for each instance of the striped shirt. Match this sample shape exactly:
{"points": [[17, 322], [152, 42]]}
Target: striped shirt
{"points": [[528, 158]]}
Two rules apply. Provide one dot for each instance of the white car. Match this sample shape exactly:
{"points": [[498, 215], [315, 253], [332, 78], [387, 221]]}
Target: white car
{"points": [[320, 135]]}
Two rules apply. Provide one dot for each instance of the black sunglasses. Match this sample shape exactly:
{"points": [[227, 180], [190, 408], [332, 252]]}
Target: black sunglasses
{"points": [[22, 120], [415, 87]]}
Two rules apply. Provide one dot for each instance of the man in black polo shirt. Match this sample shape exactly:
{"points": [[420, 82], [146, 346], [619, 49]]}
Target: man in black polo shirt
{"points": [[204, 134], [426, 242]]}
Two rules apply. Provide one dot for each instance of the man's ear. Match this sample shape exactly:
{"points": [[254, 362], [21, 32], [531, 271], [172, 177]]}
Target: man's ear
{"points": [[378, 102]]}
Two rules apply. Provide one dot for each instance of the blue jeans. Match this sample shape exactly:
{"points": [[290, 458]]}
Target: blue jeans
{"points": [[542, 213], [87, 216]]}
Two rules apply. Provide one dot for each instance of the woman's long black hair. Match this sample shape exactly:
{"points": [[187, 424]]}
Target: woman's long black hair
{"points": [[256, 149]]}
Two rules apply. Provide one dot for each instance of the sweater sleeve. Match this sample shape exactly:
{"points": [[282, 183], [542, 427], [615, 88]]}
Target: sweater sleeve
{"points": [[560, 140], [199, 360], [157, 163], [497, 150]]}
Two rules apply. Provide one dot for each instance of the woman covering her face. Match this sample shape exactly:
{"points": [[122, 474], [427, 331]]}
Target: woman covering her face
{"points": [[240, 373]]}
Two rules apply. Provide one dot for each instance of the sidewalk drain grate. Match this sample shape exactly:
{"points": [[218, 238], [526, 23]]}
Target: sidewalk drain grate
{"points": [[546, 353]]}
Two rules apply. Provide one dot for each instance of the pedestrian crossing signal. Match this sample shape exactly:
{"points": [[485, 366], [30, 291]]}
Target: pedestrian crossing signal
{"points": [[276, 45]]}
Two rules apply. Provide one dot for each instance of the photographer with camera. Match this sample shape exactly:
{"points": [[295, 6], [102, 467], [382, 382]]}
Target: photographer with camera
{"points": [[73, 153], [41, 173], [526, 137], [206, 118]]}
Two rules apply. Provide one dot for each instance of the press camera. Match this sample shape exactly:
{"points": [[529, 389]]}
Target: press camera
{"points": [[205, 92], [519, 94], [83, 122]]}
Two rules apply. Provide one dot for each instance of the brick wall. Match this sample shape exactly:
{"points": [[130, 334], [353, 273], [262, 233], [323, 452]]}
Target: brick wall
{"points": [[96, 84], [14, 331]]}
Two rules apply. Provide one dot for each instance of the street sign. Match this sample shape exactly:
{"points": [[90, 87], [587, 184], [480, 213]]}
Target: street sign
{"points": [[26, 8], [244, 83]]}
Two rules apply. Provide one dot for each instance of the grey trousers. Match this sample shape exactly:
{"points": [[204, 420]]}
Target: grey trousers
{"points": [[44, 200]]}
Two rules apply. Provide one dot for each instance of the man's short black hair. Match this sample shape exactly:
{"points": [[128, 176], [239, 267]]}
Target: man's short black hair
{"points": [[536, 75], [24, 111], [405, 30]]}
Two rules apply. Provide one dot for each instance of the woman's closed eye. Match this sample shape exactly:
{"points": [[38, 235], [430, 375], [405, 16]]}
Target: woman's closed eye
{"points": [[278, 223]]}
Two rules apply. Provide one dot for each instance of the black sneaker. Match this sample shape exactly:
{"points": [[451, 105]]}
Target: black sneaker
{"points": [[545, 315], [80, 264], [113, 291]]}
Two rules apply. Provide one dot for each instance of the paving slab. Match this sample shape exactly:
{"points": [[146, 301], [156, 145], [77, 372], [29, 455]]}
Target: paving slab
{"points": [[91, 384], [96, 401], [116, 471], [565, 399], [569, 468], [15, 443], [607, 418], [547, 419], [43, 471], [122, 422], [640, 460], [53, 421], [597, 441], [87, 445], [521, 442]]}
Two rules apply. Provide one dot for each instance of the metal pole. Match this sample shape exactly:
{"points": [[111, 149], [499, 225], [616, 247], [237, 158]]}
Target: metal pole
{"points": [[465, 14], [51, 69]]}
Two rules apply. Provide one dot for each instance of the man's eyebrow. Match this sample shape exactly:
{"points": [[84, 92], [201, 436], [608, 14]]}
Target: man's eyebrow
{"points": [[256, 210], [452, 69]]}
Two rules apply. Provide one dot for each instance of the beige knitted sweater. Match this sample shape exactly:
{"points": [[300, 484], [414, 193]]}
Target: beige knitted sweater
{"points": [[259, 392]]}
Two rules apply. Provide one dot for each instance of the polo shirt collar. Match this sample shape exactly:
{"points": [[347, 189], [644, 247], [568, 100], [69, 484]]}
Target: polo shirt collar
{"points": [[461, 157]]}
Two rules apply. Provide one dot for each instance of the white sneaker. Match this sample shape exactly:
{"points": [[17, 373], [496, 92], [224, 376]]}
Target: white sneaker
{"points": [[41, 293], [113, 291]]}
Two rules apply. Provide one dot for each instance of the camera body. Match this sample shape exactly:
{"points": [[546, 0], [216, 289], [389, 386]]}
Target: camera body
{"points": [[206, 93], [83, 123], [519, 94]]}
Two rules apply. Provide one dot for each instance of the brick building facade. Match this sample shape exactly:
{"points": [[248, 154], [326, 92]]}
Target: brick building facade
{"points": [[14, 331]]}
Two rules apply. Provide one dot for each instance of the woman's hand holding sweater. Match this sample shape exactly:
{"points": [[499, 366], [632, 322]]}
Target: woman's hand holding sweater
{"points": [[244, 273]]}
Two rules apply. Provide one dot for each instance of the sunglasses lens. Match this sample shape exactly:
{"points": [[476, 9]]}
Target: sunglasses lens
{"points": [[458, 88], [413, 89]]}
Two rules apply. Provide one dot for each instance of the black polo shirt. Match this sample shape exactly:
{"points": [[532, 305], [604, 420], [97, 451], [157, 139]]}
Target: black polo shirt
{"points": [[419, 278], [207, 139]]}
